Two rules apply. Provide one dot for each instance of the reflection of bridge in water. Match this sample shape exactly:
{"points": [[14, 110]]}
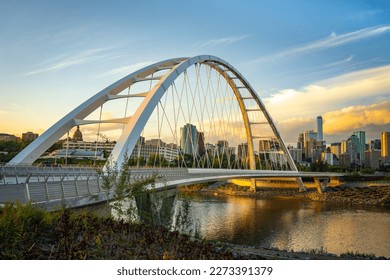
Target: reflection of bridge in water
{"points": [[187, 102]]}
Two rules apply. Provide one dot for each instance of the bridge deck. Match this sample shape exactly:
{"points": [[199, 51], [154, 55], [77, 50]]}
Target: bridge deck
{"points": [[58, 185]]}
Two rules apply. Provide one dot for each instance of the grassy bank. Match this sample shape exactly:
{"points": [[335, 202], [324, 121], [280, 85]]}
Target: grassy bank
{"points": [[30, 233]]}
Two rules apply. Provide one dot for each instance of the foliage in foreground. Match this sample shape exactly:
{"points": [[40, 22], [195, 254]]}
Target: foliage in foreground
{"points": [[357, 256], [30, 233]]}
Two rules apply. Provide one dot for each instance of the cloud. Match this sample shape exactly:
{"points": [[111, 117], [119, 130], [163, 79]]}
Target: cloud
{"points": [[339, 124], [126, 69], [332, 41], [80, 58], [291, 127], [355, 117], [282, 95], [347, 102], [331, 94], [367, 14], [337, 63], [220, 41], [296, 121]]}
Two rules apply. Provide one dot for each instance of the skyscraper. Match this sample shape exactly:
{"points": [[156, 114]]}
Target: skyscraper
{"points": [[385, 145], [353, 145], [361, 135], [189, 139], [309, 144], [201, 146], [375, 144], [242, 150], [343, 147], [372, 158], [335, 148], [320, 136], [300, 143]]}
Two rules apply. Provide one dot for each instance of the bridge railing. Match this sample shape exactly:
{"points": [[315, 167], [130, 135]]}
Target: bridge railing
{"points": [[18, 174], [39, 184], [44, 184]]}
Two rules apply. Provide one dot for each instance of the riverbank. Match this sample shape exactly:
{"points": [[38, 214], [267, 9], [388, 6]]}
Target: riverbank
{"points": [[376, 196], [30, 233], [276, 254]]}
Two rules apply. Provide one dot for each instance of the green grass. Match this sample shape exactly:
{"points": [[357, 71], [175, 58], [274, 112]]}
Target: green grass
{"points": [[27, 232]]}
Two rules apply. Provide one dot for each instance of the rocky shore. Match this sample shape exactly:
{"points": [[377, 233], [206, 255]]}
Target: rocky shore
{"points": [[369, 196], [347, 195]]}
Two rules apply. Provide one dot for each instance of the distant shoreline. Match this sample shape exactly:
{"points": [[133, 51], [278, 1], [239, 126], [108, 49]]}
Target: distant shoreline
{"points": [[374, 196]]}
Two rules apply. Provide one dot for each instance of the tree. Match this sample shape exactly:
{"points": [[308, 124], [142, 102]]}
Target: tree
{"points": [[157, 160], [56, 146], [319, 166]]}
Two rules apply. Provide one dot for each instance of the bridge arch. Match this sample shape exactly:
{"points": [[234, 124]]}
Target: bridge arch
{"points": [[134, 125]]}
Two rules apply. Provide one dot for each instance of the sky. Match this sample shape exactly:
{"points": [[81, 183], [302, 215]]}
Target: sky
{"points": [[304, 58]]}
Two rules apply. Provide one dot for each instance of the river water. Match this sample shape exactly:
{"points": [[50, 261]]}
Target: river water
{"points": [[291, 224]]}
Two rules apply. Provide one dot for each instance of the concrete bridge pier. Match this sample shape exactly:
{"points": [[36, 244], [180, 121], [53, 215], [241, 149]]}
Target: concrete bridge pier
{"points": [[253, 185], [321, 183], [301, 186]]}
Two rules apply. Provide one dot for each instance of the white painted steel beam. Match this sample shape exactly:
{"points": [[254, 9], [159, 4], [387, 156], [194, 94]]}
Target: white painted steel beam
{"points": [[112, 96], [135, 124], [40, 145], [84, 122]]}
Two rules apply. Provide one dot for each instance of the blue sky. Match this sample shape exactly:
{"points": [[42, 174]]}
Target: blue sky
{"points": [[304, 58]]}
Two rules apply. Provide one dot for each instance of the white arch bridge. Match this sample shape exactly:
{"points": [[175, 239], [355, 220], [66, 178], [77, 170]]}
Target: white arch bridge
{"points": [[196, 119]]}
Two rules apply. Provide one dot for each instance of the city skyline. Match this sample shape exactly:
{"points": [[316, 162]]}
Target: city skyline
{"points": [[55, 55]]}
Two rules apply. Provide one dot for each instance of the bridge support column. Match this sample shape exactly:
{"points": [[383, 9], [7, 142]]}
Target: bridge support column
{"points": [[27, 188], [301, 186], [321, 183], [253, 185]]}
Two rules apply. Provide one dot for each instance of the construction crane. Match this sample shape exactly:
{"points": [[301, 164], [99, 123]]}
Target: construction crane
{"points": [[101, 135]]}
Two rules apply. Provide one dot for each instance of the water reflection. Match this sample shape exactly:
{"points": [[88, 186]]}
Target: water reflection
{"points": [[292, 224], [150, 207]]}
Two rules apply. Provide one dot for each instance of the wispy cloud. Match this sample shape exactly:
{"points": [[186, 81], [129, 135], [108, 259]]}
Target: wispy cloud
{"points": [[340, 62], [127, 69], [332, 41], [220, 41], [80, 58], [367, 14]]}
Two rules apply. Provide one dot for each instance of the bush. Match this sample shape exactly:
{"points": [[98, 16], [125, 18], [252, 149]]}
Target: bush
{"points": [[21, 227], [27, 232]]}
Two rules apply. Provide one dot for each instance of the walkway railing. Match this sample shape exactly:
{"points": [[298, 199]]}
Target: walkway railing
{"points": [[82, 185], [46, 184], [39, 184]]}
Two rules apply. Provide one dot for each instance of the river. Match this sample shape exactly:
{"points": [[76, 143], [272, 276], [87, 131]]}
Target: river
{"points": [[290, 224]]}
